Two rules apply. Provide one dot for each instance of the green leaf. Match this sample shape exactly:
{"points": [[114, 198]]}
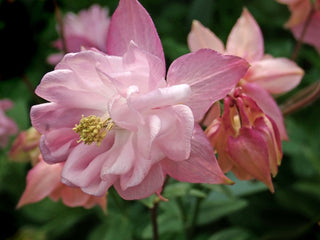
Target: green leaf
{"points": [[213, 210], [233, 233]]}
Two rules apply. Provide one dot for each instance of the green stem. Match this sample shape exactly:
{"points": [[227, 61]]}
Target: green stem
{"points": [[154, 214]]}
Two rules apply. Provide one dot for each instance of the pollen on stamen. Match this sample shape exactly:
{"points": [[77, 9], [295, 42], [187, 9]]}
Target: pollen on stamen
{"points": [[93, 129]]}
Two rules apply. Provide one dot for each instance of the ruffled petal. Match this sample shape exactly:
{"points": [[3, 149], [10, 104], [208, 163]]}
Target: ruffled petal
{"points": [[277, 75], [131, 22], [210, 75], [84, 164], [202, 37], [174, 138], [200, 167], [151, 184], [245, 39]]}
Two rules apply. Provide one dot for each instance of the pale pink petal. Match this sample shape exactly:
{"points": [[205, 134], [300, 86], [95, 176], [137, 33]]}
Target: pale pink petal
{"points": [[250, 152], [42, 179], [210, 75], [245, 39], [75, 80], [87, 160], [131, 22], [55, 58], [44, 117], [267, 104], [201, 167], [177, 124], [56, 145], [202, 37], [312, 35], [151, 184], [277, 75]]}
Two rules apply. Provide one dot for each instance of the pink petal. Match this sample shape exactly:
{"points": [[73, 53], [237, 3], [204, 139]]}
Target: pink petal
{"points": [[299, 11], [151, 184], [250, 152], [56, 145], [267, 104], [75, 81], [277, 75], [48, 116], [312, 35], [245, 39], [202, 37], [201, 167], [177, 124], [84, 164], [131, 22], [213, 113], [210, 75], [42, 179]]}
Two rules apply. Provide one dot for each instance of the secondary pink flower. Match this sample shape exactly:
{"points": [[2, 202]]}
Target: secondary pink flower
{"points": [[26, 146], [246, 139], [272, 75], [89, 28], [300, 11], [43, 180], [7, 125], [115, 120]]}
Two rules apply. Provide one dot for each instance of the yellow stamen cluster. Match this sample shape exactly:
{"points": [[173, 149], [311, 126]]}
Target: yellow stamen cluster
{"points": [[93, 129]]}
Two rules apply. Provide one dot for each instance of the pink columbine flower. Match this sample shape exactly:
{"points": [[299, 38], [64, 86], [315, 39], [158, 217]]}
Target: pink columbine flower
{"points": [[43, 180], [89, 28], [26, 146], [115, 120], [7, 125], [247, 140], [300, 11], [267, 75]]}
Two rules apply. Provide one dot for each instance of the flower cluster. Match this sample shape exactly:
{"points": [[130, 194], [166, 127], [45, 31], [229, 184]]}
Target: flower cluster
{"points": [[247, 136], [114, 117]]}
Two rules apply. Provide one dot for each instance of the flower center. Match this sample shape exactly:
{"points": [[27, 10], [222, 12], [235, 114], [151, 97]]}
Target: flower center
{"points": [[93, 129]]}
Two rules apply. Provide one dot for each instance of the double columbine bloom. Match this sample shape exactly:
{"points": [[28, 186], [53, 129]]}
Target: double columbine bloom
{"points": [[113, 119], [247, 135]]}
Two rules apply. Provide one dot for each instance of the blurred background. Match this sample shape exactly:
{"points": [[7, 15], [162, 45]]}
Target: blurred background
{"points": [[244, 211]]}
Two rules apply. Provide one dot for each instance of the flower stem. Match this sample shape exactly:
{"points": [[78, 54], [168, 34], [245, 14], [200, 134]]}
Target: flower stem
{"points": [[302, 98], [61, 26], [154, 214], [303, 33]]}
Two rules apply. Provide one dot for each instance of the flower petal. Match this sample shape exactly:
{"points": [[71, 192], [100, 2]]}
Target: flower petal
{"points": [[312, 35], [151, 184], [277, 75], [84, 164], [267, 104], [245, 39], [210, 75], [42, 179], [201, 167], [250, 152], [202, 37], [131, 22]]}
